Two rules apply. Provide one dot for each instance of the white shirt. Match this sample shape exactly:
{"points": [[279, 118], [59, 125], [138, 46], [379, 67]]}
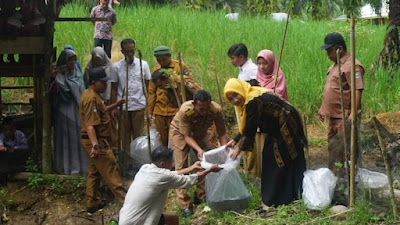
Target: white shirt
{"points": [[136, 99], [248, 71], [148, 193]]}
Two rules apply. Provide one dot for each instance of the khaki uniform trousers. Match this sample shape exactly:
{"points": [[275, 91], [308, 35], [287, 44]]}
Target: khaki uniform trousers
{"points": [[131, 128], [162, 126], [103, 166], [181, 161], [254, 158]]}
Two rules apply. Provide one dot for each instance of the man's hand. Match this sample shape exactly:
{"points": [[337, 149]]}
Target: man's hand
{"points": [[114, 114], [200, 154], [121, 101], [94, 153], [215, 168], [196, 166], [116, 2], [230, 144], [150, 118], [3, 148], [321, 117]]}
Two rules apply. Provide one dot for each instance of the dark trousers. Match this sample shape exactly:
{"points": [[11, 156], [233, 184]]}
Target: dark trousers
{"points": [[105, 44]]}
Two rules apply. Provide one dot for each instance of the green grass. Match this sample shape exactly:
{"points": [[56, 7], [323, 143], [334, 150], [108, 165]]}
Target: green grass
{"points": [[204, 38]]}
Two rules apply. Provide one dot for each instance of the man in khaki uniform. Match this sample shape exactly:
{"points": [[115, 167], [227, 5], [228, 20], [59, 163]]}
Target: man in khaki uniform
{"points": [[162, 101], [331, 106], [95, 135], [190, 128]]}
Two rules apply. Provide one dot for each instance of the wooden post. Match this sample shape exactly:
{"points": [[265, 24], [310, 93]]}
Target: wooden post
{"points": [[345, 163], [387, 166], [353, 113], [47, 152]]}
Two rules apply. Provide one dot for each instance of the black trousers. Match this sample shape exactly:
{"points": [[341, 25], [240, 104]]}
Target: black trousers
{"points": [[105, 44]]}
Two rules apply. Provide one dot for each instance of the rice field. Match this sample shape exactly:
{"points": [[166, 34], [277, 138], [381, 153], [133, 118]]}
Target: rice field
{"points": [[204, 38]]}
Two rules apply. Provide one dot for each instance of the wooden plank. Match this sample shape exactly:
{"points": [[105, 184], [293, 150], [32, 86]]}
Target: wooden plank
{"points": [[79, 19], [22, 45], [16, 103], [17, 87]]}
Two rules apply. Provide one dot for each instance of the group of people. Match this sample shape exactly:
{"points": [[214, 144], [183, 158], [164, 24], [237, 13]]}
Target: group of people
{"points": [[86, 109]]}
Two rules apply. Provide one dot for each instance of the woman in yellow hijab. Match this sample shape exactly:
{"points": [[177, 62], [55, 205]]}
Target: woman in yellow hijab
{"points": [[283, 160]]}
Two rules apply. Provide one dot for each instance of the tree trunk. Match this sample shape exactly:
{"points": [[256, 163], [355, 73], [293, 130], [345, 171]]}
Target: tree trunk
{"points": [[390, 54]]}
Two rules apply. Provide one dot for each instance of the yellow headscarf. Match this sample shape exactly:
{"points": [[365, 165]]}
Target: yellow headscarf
{"points": [[247, 91]]}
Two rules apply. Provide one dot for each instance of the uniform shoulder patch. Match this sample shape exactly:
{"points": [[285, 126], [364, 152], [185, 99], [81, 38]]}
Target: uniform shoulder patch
{"points": [[214, 109], [358, 72], [189, 112], [186, 71], [94, 109]]}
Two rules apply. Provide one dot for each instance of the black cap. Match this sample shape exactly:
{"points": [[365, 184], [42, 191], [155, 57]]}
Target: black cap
{"points": [[332, 39], [98, 74]]}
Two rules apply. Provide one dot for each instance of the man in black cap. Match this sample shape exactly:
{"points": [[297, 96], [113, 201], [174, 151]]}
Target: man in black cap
{"points": [[162, 103], [331, 106], [95, 138]]}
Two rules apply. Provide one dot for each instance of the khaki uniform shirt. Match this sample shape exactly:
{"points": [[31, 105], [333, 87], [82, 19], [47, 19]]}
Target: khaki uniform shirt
{"points": [[92, 111], [162, 101], [331, 106], [187, 122]]}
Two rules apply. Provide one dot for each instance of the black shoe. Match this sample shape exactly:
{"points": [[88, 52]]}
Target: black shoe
{"points": [[187, 212], [197, 201], [96, 208]]}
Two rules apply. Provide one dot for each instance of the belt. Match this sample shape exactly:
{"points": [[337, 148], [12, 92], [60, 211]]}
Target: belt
{"points": [[87, 137]]}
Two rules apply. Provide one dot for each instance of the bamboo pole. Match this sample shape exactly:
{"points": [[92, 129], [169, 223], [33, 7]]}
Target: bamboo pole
{"points": [[308, 162], [346, 161], [244, 156], [353, 113], [281, 51], [183, 89], [127, 137], [146, 107], [387, 166]]}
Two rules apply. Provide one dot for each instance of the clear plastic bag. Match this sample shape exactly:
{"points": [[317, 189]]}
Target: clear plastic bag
{"points": [[371, 179], [225, 190], [318, 188], [140, 150]]}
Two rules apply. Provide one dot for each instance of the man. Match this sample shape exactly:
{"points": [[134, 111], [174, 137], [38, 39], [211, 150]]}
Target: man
{"points": [[190, 128], [331, 106], [162, 101], [149, 191], [102, 29], [14, 150], [133, 120], [95, 135], [247, 69]]}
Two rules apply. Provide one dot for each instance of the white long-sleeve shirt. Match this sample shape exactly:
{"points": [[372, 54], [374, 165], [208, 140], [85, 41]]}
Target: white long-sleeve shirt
{"points": [[248, 71], [148, 193]]}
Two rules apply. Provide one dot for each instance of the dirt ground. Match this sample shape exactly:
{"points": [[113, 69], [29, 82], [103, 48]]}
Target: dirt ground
{"points": [[46, 205]]}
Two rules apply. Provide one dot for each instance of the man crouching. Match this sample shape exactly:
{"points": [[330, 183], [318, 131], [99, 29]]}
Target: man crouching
{"points": [[148, 193]]}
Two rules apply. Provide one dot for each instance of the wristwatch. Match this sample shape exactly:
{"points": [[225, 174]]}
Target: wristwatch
{"points": [[95, 146]]}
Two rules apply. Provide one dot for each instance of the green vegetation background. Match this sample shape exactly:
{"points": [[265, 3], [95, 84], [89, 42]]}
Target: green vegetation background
{"points": [[204, 37]]}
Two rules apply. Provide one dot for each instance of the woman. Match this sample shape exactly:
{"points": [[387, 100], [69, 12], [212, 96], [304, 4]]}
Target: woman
{"points": [[99, 59], [66, 88], [266, 73], [283, 160]]}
